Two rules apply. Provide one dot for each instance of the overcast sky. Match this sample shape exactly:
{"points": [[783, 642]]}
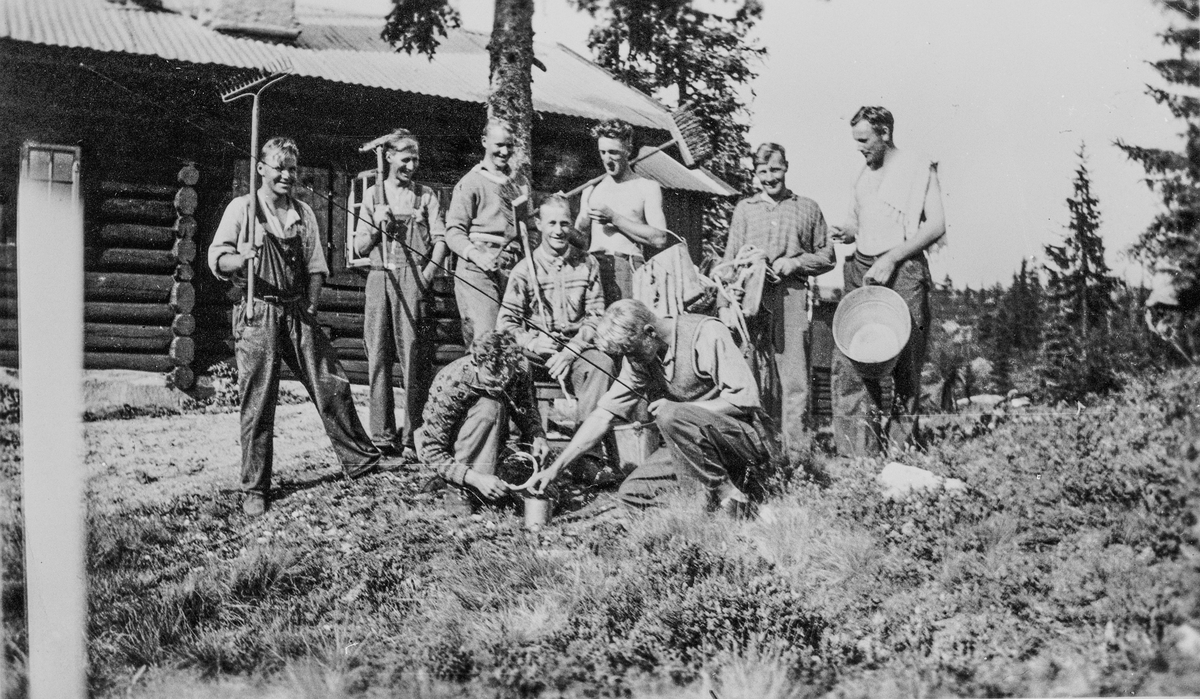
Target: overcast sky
{"points": [[1000, 93]]}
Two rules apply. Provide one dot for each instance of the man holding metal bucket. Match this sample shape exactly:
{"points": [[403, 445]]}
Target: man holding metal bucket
{"points": [[895, 216]]}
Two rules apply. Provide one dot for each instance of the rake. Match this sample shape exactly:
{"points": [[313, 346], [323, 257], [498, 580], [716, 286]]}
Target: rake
{"points": [[686, 132], [253, 88]]}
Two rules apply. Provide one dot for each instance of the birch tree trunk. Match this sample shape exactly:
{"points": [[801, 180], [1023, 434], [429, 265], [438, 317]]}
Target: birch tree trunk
{"points": [[510, 77]]}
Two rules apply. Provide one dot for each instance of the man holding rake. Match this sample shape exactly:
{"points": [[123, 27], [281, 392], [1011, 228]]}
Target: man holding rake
{"points": [[283, 250]]}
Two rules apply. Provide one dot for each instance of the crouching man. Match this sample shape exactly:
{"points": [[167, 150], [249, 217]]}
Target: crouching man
{"points": [[701, 395], [552, 305], [466, 418]]}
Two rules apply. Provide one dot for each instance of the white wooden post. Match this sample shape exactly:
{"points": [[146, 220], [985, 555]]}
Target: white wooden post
{"points": [[50, 312]]}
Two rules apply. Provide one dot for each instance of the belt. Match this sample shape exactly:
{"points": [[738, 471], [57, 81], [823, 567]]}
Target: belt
{"points": [[279, 300], [866, 259]]}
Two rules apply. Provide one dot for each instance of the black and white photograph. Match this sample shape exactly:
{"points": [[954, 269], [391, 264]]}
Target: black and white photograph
{"points": [[693, 349]]}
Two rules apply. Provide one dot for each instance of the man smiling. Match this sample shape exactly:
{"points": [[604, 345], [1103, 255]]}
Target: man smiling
{"points": [[289, 267], [555, 316], [787, 232]]}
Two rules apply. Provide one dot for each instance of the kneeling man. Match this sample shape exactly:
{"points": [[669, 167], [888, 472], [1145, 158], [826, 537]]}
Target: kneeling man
{"points": [[552, 305], [467, 413], [701, 395]]}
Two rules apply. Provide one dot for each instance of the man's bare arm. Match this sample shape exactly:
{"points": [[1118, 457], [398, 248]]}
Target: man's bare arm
{"points": [[652, 231]]}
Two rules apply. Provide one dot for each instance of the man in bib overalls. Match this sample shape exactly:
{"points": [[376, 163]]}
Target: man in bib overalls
{"points": [[289, 272]]}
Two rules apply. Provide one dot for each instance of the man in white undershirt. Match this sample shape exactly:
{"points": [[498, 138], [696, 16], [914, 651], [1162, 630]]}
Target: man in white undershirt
{"points": [[621, 219], [895, 216]]}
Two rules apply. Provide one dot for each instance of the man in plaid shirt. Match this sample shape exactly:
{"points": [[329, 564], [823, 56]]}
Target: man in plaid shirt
{"points": [[789, 234], [555, 318]]}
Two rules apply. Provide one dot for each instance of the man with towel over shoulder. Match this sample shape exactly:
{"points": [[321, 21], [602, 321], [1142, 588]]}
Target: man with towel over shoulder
{"points": [[895, 216]]}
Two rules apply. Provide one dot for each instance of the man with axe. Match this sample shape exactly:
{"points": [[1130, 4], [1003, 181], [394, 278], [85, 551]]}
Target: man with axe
{"points": [[282, 249], [401, 230]]}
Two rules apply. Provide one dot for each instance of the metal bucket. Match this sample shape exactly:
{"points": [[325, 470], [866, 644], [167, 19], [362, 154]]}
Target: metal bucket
{"points": [[636, 441], [537, 511], [871, 326]]}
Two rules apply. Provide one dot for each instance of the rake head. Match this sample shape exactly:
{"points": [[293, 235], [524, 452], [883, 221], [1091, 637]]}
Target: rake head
{"points": [[258, 80], [695, 144]]}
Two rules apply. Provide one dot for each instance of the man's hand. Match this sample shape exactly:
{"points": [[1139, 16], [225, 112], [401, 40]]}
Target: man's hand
{"points": [[537, 482], [312, 310], [601, 213], [754, 256], [657, 405], [485, 261], [247, 252], [783, 266], [429, 273], [489, 486], [540, 449], [841, 235], [543, 345], [881, 272], [560, 364]]}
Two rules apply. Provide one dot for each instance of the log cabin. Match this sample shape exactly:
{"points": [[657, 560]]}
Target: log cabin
{"points": [[121, 101]]}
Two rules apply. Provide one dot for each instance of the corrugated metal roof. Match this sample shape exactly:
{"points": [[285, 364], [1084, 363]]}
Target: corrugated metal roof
{"points": [[349, 52], [672, 174]]}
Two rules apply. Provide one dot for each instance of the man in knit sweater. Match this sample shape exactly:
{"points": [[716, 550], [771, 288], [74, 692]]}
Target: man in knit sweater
{"points": [[467, 415], [555, 318], [480, 229]]}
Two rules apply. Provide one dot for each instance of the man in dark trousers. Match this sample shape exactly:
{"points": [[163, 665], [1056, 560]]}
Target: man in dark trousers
{"points": [[786, 231], [290, 270], [701, 395], [895, 216]]}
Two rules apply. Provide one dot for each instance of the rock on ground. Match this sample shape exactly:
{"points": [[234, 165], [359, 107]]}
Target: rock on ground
{"points": [[898, 481]]}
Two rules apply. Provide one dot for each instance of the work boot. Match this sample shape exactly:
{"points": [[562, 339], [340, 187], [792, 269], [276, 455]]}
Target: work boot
{"points": [[254, 503], [360, 470]]}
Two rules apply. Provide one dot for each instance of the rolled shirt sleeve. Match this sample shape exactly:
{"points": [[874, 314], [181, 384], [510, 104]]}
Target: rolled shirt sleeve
{"points": [[229, 231], [312, 240], [622, 397]]}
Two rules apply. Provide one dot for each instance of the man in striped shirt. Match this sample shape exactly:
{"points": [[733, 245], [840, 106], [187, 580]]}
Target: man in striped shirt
{"points": [[555, 316], [789, 234]]}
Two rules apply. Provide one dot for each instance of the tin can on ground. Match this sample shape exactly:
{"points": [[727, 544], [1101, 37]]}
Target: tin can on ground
{"points": [[537, 511]]}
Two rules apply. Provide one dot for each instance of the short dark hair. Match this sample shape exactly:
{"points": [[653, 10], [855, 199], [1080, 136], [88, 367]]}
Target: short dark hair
{"points": [[878, 117], [764, 152], [498, 352], [555, 200], [618, 129]]}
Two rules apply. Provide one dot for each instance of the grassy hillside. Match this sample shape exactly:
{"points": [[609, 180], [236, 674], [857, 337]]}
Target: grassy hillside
{"points": [[1064, 569]]}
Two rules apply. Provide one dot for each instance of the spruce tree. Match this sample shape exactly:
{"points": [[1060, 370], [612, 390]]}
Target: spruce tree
{"points": [[1175, 175], [1080, 297]]}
